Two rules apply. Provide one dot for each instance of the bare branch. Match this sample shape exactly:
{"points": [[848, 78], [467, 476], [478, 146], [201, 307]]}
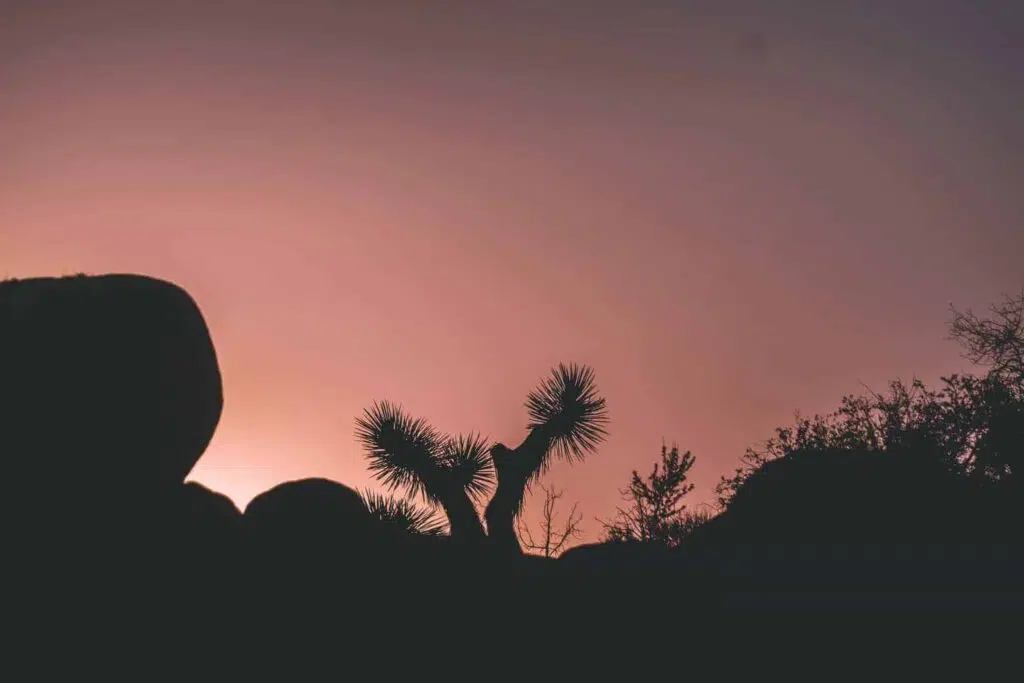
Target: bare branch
{"points": [[997, 340], [553, 536]]}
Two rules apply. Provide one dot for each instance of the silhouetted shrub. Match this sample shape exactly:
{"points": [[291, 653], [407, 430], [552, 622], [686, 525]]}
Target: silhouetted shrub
{"points": [[656, 513], [971, 426], [995, 341]]}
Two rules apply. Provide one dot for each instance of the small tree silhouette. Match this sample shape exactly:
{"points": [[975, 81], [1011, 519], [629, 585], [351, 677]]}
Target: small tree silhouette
{"points": [[567, 420], [656, 512], [996, 341], [552, 537]]}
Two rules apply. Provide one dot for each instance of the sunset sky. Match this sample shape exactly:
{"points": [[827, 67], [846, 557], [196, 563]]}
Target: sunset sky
{"points": [[731, 209]]}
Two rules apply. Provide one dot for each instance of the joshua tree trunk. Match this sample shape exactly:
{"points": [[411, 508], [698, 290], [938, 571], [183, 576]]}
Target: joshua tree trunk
{"points": [[463, 518], [513, 469]]}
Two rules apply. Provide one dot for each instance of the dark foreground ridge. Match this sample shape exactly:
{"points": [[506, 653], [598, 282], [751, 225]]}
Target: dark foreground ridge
{"points": [[111, 393]]}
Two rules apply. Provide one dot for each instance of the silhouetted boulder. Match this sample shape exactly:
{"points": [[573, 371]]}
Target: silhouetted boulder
{"points": [[310, 520], [206, 506], [616, 555], [109, 382], [204, 519], [851, 515], [192, 537], [867, 495]]}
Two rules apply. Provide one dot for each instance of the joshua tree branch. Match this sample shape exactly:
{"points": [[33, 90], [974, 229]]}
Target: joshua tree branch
{"points": [[514, 469]]}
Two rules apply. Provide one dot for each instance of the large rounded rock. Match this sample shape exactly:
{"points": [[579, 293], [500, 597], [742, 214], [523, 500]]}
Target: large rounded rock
{"points": [[203, 519], [107, 381], [852, 516], [199, 536], [853, 495], [309, 520]]}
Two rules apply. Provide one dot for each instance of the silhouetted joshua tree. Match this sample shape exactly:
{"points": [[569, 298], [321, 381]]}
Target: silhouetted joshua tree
{"points": [[403, 515], [567, 420]]}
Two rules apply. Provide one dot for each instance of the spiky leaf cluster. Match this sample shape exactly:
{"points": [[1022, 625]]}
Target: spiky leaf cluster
{"points": [[568, 409], [407, 453], [403, 514]]}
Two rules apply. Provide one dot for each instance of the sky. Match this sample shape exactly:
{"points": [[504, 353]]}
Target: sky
{"points": [[730, 209]]}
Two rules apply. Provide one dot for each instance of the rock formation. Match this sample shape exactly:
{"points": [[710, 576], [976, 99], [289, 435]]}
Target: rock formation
{"points": [[109, 381]]}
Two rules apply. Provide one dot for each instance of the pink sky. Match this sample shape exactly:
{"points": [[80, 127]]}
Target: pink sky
{"points": [[730, 213]]}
